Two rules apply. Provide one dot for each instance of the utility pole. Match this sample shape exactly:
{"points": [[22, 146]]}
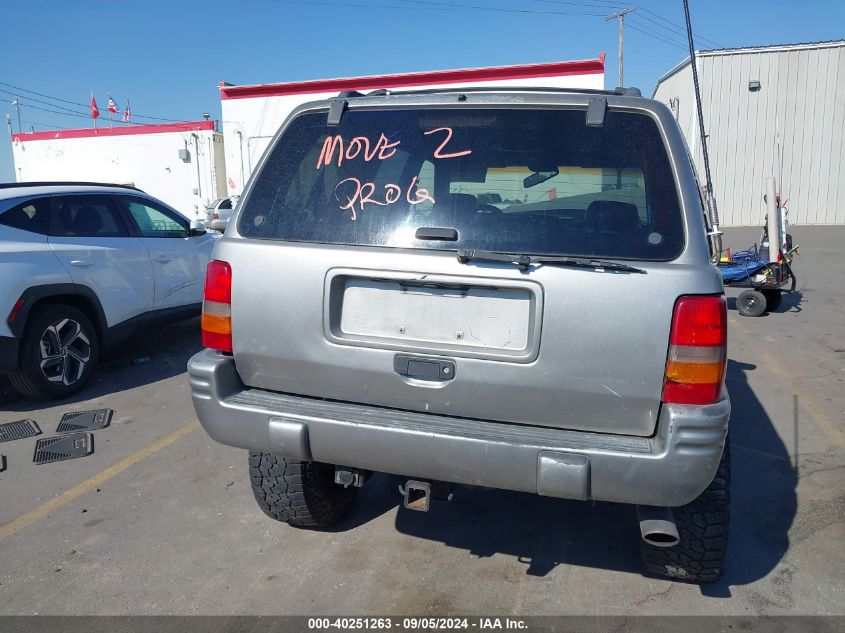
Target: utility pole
{"points": [[17, 106], [620, 15]]}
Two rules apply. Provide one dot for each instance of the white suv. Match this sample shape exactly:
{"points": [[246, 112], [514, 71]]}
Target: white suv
{"points": [[84, 266], [219, 212]]}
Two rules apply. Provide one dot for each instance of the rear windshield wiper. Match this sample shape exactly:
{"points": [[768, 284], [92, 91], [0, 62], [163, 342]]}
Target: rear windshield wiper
{"points": [[524, 261]]}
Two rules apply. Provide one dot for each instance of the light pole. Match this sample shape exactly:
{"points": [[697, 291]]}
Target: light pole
{"points": [[17, 106], [620, 15]]}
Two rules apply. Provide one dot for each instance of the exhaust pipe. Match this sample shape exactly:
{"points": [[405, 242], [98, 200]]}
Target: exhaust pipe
{"points": [[657, 526]]}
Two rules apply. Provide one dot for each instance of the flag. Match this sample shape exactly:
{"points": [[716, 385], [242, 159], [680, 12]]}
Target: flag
{"points": [[95, 111], [112, 105], [127, 113]]}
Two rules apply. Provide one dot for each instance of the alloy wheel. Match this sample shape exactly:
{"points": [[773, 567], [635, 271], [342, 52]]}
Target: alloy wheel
{"points": [[65, 352]]}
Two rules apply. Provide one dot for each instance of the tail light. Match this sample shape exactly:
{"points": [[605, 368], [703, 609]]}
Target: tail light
{"points": [[695, 367], [215, 216], [217, 307]]}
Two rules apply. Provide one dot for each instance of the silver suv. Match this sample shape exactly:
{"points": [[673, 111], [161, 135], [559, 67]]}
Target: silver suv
{"points": [[503, 288]]}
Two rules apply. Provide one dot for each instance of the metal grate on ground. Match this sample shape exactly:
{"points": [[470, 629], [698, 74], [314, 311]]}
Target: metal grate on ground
{"points": [[62, 447], [18, 430], [85, 421]]}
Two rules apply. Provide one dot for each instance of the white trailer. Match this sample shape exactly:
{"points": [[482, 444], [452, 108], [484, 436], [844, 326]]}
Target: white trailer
{"points": [[179, 163], [253, 114]]}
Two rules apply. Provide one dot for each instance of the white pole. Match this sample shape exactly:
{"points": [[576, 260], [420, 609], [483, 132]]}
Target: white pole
{"points": [[773, 220]]}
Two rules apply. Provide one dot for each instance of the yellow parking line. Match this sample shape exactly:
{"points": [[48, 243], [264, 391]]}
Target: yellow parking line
{"points": [[90, 484]]}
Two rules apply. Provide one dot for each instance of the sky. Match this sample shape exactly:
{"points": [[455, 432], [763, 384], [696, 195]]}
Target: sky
{"points": [[168, 57]]}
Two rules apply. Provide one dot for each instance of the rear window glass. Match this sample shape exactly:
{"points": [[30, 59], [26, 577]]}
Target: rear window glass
{"points": [[32, 216], [508, 180]]}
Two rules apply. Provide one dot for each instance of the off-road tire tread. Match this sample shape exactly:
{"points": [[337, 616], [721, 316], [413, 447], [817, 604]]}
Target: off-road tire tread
{"points": [[703, 527], [23, 378], [296, 492]]}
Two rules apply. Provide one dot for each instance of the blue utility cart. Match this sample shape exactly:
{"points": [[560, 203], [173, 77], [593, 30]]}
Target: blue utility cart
{"points": [[764, 281]]}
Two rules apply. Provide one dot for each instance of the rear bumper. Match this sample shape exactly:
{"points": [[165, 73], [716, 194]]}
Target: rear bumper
{"points": [[217, 225], [669, 469], [8, 353]]}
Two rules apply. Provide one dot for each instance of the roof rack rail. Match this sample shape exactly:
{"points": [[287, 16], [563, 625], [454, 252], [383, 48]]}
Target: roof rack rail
{"points": [[64, 183], [618, 92]]}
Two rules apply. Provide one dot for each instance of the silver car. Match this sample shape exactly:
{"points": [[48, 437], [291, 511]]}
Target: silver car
{"points": [[219, 212], [502, 288]]}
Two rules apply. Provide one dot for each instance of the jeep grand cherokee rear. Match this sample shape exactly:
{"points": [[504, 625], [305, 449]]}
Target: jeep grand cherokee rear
{"points": [[498, 288]]}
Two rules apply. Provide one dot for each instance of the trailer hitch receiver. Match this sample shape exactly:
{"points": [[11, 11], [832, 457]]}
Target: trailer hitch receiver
{"points": [[417, 495]]}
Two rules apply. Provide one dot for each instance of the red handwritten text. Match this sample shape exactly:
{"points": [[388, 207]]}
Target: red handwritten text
{"points": [[383, 149], [438, 153], [351, 192]]}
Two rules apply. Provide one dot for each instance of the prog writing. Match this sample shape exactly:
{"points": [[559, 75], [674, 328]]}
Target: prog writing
{"points": [[352, 193]]}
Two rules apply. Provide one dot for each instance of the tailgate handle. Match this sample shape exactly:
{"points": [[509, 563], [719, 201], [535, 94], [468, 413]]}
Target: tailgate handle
{"points": [[434, 233], [424, 368]]}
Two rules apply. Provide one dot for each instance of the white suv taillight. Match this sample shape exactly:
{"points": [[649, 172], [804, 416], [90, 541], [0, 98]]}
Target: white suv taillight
{"points": [[217, 307], [695, 367]]}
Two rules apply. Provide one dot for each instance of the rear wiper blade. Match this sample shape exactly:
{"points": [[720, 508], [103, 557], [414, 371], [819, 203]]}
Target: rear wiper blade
{"points": [[524, 261]]}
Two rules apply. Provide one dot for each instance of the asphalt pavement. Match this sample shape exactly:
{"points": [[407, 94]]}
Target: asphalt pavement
{"points": [[161, 520]]}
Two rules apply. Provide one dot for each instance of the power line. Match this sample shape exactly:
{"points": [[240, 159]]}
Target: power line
{"points": [[681, 30], [591, 5], [3, 83], [677, 29], [76, 103], [424, 5], [670, 32], [52, 105], [59, 112], [430, 3], [81, 116], [656, 36]]}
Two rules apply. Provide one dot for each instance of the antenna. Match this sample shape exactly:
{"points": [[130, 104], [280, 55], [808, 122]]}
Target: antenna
{"points": [[715, 233]]}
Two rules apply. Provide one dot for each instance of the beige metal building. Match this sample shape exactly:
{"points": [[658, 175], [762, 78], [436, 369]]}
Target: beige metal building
{"points": [[768, 111]]}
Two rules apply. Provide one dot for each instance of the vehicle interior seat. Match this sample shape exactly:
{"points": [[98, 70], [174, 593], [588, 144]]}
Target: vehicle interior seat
{"points": [[612, 225], [86, 221]]}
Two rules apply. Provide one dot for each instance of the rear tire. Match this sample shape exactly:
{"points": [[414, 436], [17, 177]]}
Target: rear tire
{"points": [[58, 353], [703, 527], [751, 303], [773, 298], [301, 494]]}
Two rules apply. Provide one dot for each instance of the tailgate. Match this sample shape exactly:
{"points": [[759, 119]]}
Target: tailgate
{"points": [[589, 356], [346, 284]]}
